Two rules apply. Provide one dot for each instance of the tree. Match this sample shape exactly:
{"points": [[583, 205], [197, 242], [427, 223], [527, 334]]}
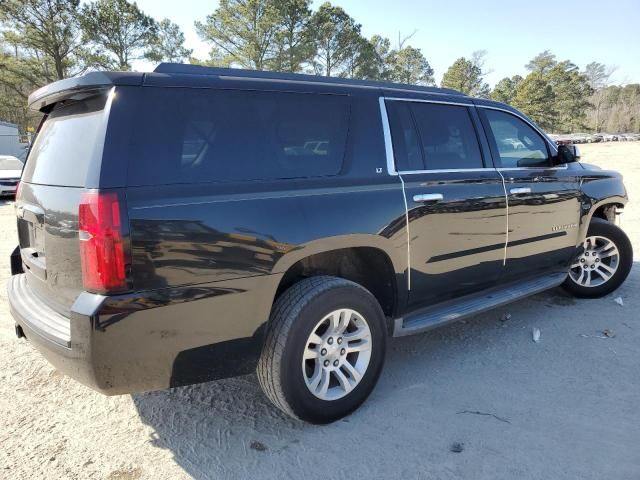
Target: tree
{"points": [[534, 96], [379, 57], [598, 76], [505, 89], [168, 44], [48, 30], [119, 31], [465, 76], [335, 36], [19, 76], [244, 31], [571, 92], [542, 63], [409, 66], [293, 40]]}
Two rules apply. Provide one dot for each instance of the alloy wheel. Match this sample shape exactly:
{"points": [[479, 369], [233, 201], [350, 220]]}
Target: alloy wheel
{"points": [[597, 264], [337, 354]]}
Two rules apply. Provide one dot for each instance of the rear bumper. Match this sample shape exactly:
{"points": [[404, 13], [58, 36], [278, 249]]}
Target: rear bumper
{"points": [[150, 340]]}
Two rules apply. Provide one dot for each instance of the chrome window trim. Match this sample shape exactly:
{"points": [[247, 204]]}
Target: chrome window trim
{"points": [[427, 100], [388, 144], [391, 169]]}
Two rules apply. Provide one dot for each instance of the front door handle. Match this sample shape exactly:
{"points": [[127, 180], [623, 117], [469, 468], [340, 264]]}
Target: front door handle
{"points": [[520, 190], [428, 197]]}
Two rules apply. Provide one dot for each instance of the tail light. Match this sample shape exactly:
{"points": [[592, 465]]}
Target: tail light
{"points": [[101, 243], [18, 188]]}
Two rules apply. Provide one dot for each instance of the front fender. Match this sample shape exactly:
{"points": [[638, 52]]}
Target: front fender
{"points": [[600, 188]]}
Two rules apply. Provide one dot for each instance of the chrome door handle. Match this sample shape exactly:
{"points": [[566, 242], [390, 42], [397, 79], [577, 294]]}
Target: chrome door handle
{"points": [[520, 190], [428, 197]]}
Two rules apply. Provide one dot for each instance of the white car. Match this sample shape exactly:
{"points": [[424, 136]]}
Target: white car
{"points": [[10, 172]]}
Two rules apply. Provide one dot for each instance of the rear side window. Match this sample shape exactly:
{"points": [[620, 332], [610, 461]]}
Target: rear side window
{"points": [[406, 146], [201, 135], [447, 135], [431, 136], [67, 143], [518, 144]]}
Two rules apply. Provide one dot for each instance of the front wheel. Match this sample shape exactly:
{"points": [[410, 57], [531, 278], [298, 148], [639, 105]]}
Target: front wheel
{"points": [[604, 264], [324, 349]]}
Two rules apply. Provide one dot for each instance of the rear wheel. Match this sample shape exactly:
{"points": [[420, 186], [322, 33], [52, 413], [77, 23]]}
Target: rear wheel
{"points": [[604, 264], [324, 349]]}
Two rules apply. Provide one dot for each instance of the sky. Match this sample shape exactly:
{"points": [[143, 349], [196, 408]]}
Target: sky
{"points": [[512, 32]]}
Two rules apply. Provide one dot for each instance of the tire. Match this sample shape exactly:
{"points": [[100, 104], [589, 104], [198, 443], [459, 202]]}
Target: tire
{"points": [[601, 231], [302, 310]]}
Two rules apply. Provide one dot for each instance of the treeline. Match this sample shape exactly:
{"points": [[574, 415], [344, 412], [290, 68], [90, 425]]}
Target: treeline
{"points": [[46, 40]]}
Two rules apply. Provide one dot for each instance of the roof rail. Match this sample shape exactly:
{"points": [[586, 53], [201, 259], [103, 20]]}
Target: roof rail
{"points": [[186, 69]]}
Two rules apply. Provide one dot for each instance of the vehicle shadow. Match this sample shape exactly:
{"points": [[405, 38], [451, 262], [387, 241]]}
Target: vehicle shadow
{"points": [[228, 428]]}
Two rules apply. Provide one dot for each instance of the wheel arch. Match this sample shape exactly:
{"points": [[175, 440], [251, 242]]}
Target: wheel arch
{"points": [[370, 261]]}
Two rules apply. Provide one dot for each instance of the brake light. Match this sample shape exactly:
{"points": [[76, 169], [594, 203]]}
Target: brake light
{"points": [[101, 243], [18, 189]]}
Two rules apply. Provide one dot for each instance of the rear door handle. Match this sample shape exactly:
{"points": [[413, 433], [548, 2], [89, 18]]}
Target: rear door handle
{"points": [[520, 190], [428, 197]]}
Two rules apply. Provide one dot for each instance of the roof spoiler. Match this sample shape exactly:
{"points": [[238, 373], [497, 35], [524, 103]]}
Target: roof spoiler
{"points": [[80, 87]]}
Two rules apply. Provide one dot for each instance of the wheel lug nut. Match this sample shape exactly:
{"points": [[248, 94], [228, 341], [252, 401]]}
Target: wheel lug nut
{"points": [[597, 259], [339, 340], [326, 363], [323, 352], [343, 351], [330, 340], [593, 266], [335, 364], [582, 260]]}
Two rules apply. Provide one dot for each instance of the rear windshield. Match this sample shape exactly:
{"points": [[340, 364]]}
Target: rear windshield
{"points": [[202, 135], [67, 143]]}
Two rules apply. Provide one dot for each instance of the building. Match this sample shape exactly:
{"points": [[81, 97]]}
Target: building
{"points": [[10, 141]]}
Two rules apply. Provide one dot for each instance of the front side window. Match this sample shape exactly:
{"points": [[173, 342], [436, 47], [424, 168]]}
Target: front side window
{"points": [[432, 136], [517, 144], [194, 136]]}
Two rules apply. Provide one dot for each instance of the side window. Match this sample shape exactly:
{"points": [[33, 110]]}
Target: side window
{"points": [[194, 136], [406, 149], [447, 136], [518, 144]]}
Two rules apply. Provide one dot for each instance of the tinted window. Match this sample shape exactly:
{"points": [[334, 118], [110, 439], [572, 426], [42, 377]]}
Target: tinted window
{"points": [[406, 149], [68, 141], [447, 136], [517, 143], [190, 135]]}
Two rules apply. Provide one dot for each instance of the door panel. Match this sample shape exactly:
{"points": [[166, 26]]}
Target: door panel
{"points": [[544, 202], [543, 224], [457, 243]]}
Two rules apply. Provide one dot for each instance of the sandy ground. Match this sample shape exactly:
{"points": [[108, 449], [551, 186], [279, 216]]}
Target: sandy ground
{"points": [[564, 408]]}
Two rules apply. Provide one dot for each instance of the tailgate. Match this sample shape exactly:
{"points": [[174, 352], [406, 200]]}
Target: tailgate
{"points": [[65, 158]]}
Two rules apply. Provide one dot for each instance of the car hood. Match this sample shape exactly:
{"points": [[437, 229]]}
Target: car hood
{"points": [[10, 174]]}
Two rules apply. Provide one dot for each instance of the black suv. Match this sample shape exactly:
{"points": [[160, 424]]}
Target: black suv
{"points": [[195, 223]]}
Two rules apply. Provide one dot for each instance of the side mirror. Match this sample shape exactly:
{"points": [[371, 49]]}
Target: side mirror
{"points": [[566, 154]]}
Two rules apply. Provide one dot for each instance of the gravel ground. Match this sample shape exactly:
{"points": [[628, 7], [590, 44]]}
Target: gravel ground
{"points": [[563, 408]]}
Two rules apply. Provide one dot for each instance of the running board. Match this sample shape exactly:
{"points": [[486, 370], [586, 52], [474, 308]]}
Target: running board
{"points": [[457, 309]]}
